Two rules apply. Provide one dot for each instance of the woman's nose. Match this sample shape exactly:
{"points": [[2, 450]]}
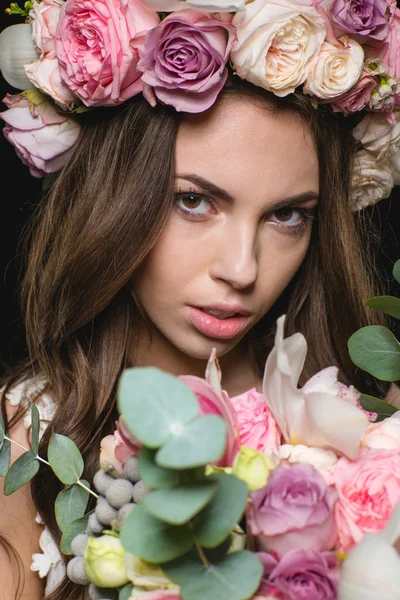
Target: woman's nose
{"points": [[235, 259]]}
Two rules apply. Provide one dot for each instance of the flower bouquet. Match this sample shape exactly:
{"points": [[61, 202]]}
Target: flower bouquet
{"points": [[293, 493]]}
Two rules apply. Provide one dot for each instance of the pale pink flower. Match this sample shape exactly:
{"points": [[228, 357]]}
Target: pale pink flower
{"points": [[357, 98], [257, 426], [384, 435]]}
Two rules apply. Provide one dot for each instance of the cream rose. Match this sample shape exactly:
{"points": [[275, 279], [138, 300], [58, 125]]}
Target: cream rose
{"points": [[379, 136], [371, 181], [384, 435], [319, 458], [335, 70], [276, 42]]}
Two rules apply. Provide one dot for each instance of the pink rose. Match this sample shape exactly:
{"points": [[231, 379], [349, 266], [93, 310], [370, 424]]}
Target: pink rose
{"points": [[357, 98], [213, 403], [184, 59], [390, 51], [44, 18], [93, 47], [368, 489], [115, 450], [43, 138], [384, 435], [294, 510], [257, 426]]}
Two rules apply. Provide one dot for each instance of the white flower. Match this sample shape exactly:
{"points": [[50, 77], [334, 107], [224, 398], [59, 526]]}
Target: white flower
{"points": [[384, 434], [395, 165], [45, 75], [218, 6], [318, 416], [335, 70], [378, 136], [371, 569], [371, 181], [17, 49], [146, 575], [276, 42], [319, 458], [50, 563]]}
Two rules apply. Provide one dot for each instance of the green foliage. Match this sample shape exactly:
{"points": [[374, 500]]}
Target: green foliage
{"points": [[390, 305], [154, 404], [376, 350], [396, 271], [153, 475], [197, 443], [125, 592], [72, 530], [14, 9], [141, 529], [35, 428], [235, 577], [71, 504], [381, 407], [5, 455], [65, 459], [2, 430], [219, 517], [21, 471], [181, 503]]}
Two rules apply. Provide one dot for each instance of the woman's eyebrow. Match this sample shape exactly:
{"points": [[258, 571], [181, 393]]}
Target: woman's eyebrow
{"points": [[216, 191]]}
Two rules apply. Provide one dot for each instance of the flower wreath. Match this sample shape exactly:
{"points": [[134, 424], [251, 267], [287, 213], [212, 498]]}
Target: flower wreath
{"points": [[73, 55]]}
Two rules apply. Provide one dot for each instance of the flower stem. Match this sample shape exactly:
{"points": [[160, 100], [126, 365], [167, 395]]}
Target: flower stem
{"points": [[202, 555]]}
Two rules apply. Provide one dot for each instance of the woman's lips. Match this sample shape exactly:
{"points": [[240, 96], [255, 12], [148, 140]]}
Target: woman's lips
{"points": [[213, 327]]}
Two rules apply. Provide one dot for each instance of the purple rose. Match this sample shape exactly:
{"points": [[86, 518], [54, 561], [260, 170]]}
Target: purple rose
{"points": [[362, 17], [358, 97], [43, 137], [183, 60], [294, 510], [301, 575]]}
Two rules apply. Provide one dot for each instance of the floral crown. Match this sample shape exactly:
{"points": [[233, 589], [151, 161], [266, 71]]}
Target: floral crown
{"points": [[74, 55]]}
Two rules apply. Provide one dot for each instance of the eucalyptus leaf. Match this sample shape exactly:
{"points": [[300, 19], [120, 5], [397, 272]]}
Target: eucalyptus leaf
{"points": [[153, 475], [153, 540], [71, 504], [376, 350], [5, 455], [35, 429], [235, 577], [74, 528], [65, 459], [21, 471], [154, 404], [396, 270], [179, 504], [198, 443], [125, 592], [381, 407], [390, 305], [2, 429], [215, 522]]}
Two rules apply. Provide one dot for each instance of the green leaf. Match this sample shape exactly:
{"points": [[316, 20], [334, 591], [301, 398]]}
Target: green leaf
{"points": [[153, 540], [236, 577], [383, 408], [153, 475], [65, 459], [375, 350], [21, 471], [70, 504], [125, 592], [2, 429], [198, 443], [35, 428], [5, 454], [179, 504], [154, 404], [390, 305], [396, 270], [225, 510], [74, 528]]}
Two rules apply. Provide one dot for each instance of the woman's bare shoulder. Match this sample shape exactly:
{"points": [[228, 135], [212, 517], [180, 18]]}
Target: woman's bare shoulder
{"points": [[18, 529]]}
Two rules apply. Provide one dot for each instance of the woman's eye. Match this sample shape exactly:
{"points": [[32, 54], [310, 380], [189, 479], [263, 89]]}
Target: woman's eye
{"points": [[192, 203], [291, 217]]}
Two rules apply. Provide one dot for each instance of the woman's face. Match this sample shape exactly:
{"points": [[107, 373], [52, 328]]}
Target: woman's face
{"points": [[246, 192]]}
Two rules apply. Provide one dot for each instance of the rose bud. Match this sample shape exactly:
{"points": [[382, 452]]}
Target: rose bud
{"points": [[252, 467], [104, 561]]}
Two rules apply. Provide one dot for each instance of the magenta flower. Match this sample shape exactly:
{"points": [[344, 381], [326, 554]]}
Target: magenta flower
{"points": [[184, 59], [294, 510]]}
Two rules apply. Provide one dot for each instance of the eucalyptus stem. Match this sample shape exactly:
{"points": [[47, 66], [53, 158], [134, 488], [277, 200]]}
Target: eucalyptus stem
{"points": [[202, 555], [82, 485]]}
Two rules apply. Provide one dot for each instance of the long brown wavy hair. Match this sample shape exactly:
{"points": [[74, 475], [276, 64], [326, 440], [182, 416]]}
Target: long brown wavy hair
{"points": [[100, 219]]}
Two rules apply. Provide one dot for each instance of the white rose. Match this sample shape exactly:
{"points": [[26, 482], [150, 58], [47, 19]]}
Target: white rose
{"points": [[276, 42], [219, 6], [45, 75], [44, 17], [319, 458], [335, 70], [379, 136], [384, 434], [372, 181]]}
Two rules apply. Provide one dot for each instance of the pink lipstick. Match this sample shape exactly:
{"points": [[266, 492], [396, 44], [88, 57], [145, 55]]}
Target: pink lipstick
{"points": [[223, 322]]}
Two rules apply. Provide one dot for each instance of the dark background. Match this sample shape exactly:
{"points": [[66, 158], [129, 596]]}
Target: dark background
{"points": [[20, 193]]}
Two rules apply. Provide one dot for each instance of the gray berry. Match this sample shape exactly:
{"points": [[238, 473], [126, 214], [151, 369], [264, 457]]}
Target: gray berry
{"points": [[79, 543], [125, 511], [76, 571], [94, 526], [131, 469], [104, 512], [102, 481], [140, 489], [119, 493], [96, 593]]}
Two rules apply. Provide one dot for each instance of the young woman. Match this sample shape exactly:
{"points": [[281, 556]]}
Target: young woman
{"points": [[168, 234]]}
